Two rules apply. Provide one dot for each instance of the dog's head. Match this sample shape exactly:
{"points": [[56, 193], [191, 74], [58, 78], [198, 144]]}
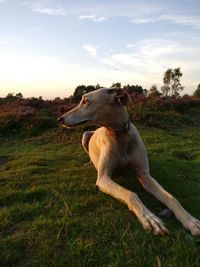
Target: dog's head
{"points": [[99, 107]]}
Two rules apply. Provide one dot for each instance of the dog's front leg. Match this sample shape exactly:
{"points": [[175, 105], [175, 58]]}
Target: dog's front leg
{"points": [[188, 221], [149, 221], [104, 182]]}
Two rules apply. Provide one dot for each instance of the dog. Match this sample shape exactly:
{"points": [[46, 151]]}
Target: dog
{"points": [[117, 143]]}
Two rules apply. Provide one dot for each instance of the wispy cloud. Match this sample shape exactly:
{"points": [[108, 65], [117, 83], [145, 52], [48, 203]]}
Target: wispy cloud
{"points": [[193, 21], [9, 40], [141, 14], [151, 57], [184, 20], [146, 61], [91, 49], [46, 9], [92, 17], [145, 20]]}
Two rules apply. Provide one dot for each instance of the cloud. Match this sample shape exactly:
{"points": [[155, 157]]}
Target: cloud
{"points": [[145, 20], [45, 9], [5, 40], [140, 13], [92, 50], [92, 17], [173, 18], [149, 58], [154, 52], [183, 20]]}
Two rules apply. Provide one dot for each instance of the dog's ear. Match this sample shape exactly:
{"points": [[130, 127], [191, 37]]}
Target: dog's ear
{"points": [[121, 96]]}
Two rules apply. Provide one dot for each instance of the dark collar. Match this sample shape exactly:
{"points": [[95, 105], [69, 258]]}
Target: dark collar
{"points": [[126, 127], [119, 132]]}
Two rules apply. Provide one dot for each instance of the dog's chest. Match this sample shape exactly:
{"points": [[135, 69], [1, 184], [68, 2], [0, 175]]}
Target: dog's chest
{"points": [[125, 152]]}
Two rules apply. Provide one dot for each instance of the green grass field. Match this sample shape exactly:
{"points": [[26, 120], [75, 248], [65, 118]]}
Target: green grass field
{"points": [[51, 214]]}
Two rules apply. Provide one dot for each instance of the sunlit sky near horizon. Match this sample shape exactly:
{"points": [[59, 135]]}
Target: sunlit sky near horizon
{"points": [[47, 47]]}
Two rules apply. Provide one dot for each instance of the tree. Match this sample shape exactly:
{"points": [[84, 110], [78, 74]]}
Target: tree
{"points": [[117, 85], [153, 91], [19, 96], [165, 90], [137, 89], [197, 91], [171, 81], [57, 99], [145, 92], [90, 88], [10, 96], [81, 90], [98, 86]]}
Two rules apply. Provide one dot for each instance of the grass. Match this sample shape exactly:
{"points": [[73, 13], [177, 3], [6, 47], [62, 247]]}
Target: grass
{"points": [[51, 214]]}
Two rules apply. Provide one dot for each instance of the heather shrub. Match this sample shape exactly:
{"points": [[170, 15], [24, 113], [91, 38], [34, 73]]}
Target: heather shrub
{"points": [[9, 124], [164, 112], [32, 116], [27, 121], [40, 122]]}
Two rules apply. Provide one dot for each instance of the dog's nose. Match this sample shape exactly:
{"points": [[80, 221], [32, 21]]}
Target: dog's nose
{"points": [[60, 119]]}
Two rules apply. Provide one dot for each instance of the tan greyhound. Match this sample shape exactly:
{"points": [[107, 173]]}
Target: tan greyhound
{"points": [[117, 143]]}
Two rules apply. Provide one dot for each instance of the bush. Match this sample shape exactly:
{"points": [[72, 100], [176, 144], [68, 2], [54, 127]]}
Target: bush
{"points": [[40, 122], [33, 116], [27, 123], [8, 124], [164, 112]]}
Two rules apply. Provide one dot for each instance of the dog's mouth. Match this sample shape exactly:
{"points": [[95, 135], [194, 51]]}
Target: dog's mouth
{"points": [[74, 125]]}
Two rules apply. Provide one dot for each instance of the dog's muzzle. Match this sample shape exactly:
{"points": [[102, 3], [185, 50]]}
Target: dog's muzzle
{"points": [[70, 125]]}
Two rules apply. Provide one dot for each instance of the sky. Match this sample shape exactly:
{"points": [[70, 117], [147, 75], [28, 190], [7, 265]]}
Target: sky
{"points": [[49, 47]]}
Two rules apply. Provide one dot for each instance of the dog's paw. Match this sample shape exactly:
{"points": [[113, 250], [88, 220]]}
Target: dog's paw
{"points": [[154, 224], [194, 226]]}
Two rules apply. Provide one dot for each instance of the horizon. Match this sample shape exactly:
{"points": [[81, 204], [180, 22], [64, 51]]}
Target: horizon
{"points": [[181, 93], [48, 48]]}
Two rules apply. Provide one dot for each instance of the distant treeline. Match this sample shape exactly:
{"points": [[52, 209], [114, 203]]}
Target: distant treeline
{"points": [[31, 116], [170, 88]]}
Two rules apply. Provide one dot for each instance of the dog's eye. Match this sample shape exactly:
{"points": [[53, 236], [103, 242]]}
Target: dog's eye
{"points": [[84, 101]]}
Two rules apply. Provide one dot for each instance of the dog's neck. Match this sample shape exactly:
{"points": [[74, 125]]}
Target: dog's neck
{"points": [[119, 130]]}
